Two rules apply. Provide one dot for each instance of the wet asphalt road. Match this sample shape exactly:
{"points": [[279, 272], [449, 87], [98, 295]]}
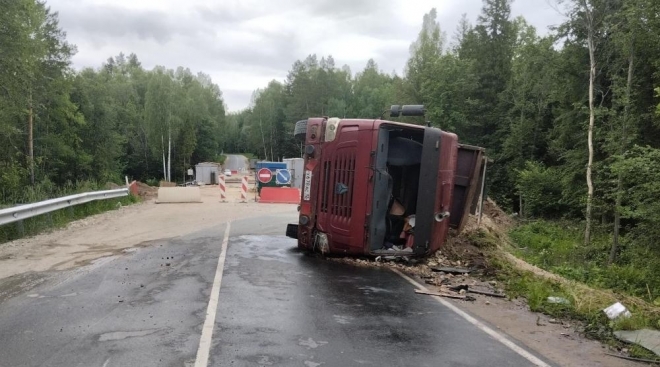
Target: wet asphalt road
{"points": [[277, 307]]}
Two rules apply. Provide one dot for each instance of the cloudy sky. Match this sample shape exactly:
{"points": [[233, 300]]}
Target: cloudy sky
{"points": [[243, 44]]}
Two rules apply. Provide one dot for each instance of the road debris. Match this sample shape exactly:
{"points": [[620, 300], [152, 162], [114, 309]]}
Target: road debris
{"points": [[558, 300], [462, 288], [647, 338], [453, 271], [447, 295], [538, 321], [643, 360], [489, 294], [617, 310]]}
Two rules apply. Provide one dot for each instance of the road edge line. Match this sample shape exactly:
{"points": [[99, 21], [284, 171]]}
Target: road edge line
{"points": [[480, 325], [202, 358]]}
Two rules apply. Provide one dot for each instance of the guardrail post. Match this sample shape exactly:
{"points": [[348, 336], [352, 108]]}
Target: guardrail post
{"points": [[20, 226]]}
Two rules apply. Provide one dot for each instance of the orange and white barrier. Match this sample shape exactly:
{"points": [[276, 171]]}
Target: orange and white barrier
{"points": [[280, 195], [223, 188], [244, 189]]}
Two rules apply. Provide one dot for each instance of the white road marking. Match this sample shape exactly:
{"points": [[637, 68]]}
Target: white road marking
{"points": [[494, 334], [204, 349]]}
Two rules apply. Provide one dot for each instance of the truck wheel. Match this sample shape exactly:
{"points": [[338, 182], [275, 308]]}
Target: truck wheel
{"points": [[300, 131]]}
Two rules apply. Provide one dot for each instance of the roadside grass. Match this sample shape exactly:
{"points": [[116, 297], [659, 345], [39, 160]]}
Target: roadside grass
{"points": [[60, 218], [558, 247], [585, 302]]}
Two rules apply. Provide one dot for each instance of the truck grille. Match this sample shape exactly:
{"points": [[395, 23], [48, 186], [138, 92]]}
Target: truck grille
{"points": [[338, 184]]}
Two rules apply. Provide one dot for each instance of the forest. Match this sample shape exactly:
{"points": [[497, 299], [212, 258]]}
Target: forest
{"points": [[570, 118]]}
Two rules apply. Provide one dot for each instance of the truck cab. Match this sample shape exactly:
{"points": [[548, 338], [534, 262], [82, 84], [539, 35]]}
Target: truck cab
{"points": [[378, 187]]}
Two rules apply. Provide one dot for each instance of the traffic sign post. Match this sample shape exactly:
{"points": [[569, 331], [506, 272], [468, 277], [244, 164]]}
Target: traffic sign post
{"points": [[264, 175], [283, 177]]}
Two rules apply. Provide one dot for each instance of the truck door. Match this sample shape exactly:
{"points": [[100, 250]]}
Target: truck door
{"points": [[467, 184], [436, 183]]}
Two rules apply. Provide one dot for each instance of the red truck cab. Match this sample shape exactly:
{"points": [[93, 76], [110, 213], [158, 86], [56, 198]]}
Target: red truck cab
{"points": [[376, 187]]}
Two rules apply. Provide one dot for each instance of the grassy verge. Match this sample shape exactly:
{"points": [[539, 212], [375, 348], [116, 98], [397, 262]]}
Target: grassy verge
{"points": [[60, 218], [558, 247], [585, 302]]}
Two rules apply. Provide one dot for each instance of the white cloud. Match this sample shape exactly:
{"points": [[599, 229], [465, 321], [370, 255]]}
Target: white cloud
{"points": [[243, 44]]}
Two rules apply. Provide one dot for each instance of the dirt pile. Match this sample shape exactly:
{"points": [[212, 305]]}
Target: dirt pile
{"points": [[461, 261], [145, 191]]}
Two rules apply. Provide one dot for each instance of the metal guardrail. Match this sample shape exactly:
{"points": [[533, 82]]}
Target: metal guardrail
{"points": [[21, 212]]}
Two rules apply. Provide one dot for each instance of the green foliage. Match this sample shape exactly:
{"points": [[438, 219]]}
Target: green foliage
{"points": [[540, 191], [96, 124], [558, 247]]}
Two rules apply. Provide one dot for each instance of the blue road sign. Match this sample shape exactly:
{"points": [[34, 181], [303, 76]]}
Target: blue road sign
{"points": [[283, 177]]}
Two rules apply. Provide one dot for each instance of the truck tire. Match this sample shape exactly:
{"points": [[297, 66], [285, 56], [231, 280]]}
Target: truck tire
{"points": [[300, 131]]}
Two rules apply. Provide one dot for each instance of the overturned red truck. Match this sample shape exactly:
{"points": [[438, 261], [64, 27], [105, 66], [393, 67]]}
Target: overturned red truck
{"points": [[376, 187]]}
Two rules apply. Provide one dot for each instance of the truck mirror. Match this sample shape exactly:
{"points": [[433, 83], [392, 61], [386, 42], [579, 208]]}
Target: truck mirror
{"points": [[413, 110], [395, 110]]}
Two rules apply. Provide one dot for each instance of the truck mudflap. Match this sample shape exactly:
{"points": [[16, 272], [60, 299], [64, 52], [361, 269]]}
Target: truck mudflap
{"points": [[292, 230]]}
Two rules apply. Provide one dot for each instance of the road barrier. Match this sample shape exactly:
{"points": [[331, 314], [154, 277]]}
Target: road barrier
{"points": [[280, 195], [179, 195], [244, 189], [223, 188], [18, 213]]}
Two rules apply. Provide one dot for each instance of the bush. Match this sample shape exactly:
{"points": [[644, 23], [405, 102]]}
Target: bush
{"points": [[558, 247], [541, 191]]}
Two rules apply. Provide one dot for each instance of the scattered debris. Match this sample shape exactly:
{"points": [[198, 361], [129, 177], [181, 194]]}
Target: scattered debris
{"points": [[447, 295], [617, 310], [458, 288], [633, 359], [554, 321], [538, 321], [465, 288], [453, 271], [647, 338], [489, 294], [558, 300]]}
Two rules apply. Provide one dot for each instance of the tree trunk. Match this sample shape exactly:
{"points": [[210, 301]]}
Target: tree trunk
{"points": [[263, 139], [169, 154], [622, 149], [31, 138], [162, 149], [592, 117]]}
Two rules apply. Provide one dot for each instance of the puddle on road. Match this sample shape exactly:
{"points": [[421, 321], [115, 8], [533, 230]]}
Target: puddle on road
{"points": [[368, 290], [344, 320], [120, 335], [310, 343]]}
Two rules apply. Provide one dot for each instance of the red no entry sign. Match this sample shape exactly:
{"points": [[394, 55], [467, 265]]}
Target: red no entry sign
{"points": [[264, 175]]}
